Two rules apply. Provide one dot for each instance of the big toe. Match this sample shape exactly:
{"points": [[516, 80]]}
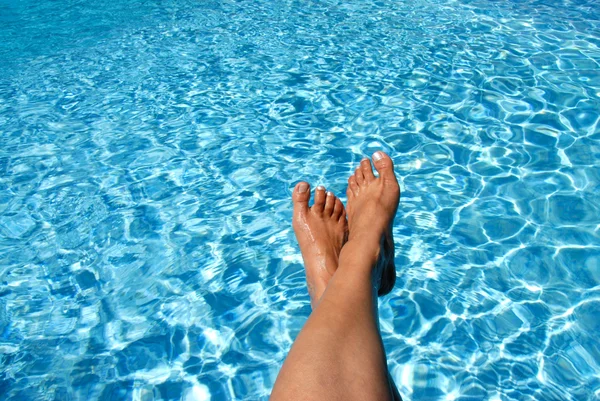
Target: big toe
{"points": [[384, 165], [300, 197]]}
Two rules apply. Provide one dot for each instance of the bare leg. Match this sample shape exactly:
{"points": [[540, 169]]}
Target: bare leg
{"points": [[339, 353]]}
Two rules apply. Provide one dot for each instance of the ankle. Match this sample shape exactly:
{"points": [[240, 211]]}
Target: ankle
{"points": [[368, 239], [361, 252]]}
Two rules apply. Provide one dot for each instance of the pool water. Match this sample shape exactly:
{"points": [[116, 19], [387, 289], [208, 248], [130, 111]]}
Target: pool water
{"points": [[148, 151]]}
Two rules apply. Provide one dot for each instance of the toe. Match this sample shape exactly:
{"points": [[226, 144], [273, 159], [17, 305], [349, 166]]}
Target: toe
{"points": [[349, 193], [367, 170], [319, 200], [384, 165], [329, 204], [300, 197], [352, 186], [360, 178], [337, 209]]}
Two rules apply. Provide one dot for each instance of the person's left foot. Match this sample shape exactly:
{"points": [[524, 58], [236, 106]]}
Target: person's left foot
{"points": [[321, 231]]}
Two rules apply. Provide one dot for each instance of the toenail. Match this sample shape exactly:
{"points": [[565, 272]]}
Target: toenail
{"points": [[329, 193], [377, 155], [302, 188], [321, 188]]}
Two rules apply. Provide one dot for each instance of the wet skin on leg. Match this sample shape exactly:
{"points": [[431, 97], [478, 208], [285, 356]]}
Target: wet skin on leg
{"points": [[321, 232]]}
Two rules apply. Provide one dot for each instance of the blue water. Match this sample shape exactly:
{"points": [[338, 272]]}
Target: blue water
{"points": [[147, 156]]}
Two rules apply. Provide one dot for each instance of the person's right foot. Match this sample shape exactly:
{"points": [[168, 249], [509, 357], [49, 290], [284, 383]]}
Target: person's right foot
{"points": [[372, 205]]}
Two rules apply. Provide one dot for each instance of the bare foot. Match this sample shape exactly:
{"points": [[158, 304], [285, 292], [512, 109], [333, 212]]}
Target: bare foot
{"points": [[321, 231], [372, 205]]}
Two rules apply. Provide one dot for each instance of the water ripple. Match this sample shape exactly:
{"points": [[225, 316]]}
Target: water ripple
{"points": [[147, 156]]}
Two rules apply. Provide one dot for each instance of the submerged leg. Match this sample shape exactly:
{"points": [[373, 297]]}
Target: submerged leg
{"points": [[339, 353]]}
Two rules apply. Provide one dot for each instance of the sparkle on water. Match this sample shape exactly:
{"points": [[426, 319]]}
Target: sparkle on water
{"points": [[147, 155]]}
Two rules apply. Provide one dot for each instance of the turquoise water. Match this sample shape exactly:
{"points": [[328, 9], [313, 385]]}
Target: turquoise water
{"points": [[147, 156]]}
